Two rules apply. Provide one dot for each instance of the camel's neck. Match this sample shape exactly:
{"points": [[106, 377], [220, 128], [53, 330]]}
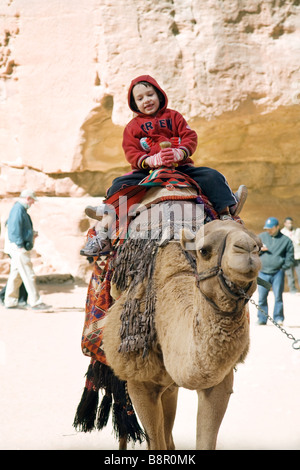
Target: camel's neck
{"points": [[192, 335]]}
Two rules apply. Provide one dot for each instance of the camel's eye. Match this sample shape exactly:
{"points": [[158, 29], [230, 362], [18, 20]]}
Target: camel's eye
{"points": [[205, 252]]}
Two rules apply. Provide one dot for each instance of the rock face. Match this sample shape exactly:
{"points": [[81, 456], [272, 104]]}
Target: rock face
{"points": [[231, 68]]}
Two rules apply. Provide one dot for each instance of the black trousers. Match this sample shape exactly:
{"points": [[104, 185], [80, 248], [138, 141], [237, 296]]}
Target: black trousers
{"points": [[212, 183], [22, 294]]}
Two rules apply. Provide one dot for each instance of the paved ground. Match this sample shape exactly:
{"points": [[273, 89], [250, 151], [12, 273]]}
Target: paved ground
{"points": [[42, 376]]}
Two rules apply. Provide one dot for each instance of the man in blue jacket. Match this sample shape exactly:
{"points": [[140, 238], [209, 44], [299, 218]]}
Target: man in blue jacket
{"points": [[21, 237], [277, 254]]}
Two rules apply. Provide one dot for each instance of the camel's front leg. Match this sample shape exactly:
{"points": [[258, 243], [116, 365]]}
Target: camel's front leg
{"points": [[212, 404], [146, 399], [169, 403]]}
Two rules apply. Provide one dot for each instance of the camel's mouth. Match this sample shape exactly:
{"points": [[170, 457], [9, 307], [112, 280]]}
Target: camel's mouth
{"points": [[238, 290], [241, 270]]}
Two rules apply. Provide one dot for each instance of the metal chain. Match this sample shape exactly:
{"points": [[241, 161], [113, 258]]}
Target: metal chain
{"points": [[296, 342]]}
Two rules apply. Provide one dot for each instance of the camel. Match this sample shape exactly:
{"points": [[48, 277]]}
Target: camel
{"points": [[201, 329]]}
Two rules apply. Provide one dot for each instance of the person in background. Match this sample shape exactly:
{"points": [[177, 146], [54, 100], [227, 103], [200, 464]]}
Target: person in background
{"points": [[20, 242], [294, 235], [22, 291], [277, 255]]}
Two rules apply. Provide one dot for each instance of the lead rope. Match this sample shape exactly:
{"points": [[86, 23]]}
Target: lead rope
{"points": [[296, 342]]}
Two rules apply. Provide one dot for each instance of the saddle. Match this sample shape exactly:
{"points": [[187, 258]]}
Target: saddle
{"points": [[163, 184]]}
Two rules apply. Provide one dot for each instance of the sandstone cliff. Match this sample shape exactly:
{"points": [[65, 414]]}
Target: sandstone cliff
{"points": [[231, 67]]}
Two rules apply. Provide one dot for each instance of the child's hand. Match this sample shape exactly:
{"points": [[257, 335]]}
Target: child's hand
{"points": [[146, 143], [167, 157], [155, 161], [171, 156]]}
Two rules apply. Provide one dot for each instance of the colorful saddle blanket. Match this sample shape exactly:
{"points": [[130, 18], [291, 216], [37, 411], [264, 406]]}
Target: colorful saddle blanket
{"points": [[169, 178]]}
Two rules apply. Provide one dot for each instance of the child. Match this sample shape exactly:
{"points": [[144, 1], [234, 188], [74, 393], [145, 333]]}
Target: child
{"points": [[155, 123]]}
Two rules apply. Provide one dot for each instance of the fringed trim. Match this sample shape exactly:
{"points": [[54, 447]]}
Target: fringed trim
{"points": [[86, 413], [134, 262], [134, 270], [89, 416], [104, 411]]}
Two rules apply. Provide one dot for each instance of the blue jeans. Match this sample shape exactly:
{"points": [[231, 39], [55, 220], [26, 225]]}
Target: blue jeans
{"points": [[277, 281]]}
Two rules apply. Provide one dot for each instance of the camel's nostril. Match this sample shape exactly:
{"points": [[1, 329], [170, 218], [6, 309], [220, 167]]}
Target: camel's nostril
{"points": [[241, 248], [249, 247]]}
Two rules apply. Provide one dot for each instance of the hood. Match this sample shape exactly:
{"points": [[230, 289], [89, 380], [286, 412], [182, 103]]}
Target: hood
{"points": [[153, 82]]}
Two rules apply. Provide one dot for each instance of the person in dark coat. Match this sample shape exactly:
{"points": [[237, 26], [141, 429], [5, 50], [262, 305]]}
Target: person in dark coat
{"points": [[277, 255]]}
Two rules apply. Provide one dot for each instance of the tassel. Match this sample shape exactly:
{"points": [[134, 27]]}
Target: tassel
{"points": [[85, 416], [133, 429], [119, 420], [104, 411], [125, 424], [86, 412]]}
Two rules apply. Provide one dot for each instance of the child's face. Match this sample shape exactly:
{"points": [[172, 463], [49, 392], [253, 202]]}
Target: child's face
{"points": [[146, 99]]}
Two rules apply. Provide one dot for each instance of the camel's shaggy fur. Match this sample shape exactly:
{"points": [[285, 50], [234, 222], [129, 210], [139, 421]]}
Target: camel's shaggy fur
{"points": [[198, 342]]}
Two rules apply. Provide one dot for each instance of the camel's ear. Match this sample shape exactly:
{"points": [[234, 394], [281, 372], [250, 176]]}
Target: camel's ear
{"points": [[188, 240]]}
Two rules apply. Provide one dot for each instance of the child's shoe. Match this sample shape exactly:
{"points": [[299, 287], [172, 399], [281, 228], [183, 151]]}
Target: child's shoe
{"points": [[96, 212], [241, 196], [225, 217], [96, 246]]}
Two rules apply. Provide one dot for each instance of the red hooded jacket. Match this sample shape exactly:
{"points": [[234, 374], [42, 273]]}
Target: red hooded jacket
{"points": [[166, 123]]}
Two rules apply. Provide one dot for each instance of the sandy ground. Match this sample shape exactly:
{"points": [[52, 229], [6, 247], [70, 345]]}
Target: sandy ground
{"points": [[42, 377]]}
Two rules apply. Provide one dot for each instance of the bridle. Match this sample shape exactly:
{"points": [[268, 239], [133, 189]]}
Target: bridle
{"points": [[235, 293]]}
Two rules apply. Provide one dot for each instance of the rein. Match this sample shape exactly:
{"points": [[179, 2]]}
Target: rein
{"points": [[229, 288]]}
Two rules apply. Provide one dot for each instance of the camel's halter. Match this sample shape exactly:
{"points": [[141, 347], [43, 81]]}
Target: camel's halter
{"points": [[228, 287], [237, 293]]}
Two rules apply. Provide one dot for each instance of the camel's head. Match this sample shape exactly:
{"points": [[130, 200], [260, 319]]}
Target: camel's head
{"points": [[227, 256]]}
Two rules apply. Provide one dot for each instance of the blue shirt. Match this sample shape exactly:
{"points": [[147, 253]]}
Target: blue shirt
{"points": [[20, 230]]}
